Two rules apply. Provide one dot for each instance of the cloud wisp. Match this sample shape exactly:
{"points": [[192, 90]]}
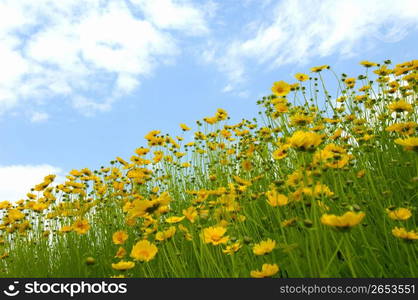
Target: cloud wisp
{"points": [[89, 52], [298, 31]]}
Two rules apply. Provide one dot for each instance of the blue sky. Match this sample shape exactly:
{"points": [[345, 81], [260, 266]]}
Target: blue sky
{"points": [[82, 81]]}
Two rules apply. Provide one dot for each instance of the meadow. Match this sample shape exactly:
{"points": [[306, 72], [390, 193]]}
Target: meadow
{"points": [[323, 182]]}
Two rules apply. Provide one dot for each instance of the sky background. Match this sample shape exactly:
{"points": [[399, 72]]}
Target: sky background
{"points": [[82, 81]]}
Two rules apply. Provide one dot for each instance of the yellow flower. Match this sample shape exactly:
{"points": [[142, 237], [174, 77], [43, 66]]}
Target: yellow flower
{"points": [[184, 127], [300, 119], [409, 144], [120, 253], [231, 249], [190, 213], [402, 233], [81, 226], [367, 64], [349, 219], [5, 204], [144, 251], [264, 247], [275, 199], [288, 222], [172, 220], [304, 140], [142, 151], [221, 114], [14, 215], [319, 68], [119, 237], [281, 152], [400, 214], [215, 235], [400, 106], [407, 128], [246, 165], [350, 82], [267, 270], [186, 232], [166, 234], [280, 88], [123, 265], [66, 229], [301, 76]]}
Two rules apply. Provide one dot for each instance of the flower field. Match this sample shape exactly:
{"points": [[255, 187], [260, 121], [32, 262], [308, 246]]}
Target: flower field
{"points": [[323, 182]]}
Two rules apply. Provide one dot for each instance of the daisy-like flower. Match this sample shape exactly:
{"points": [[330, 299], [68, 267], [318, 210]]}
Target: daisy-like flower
{"points": [[347, 220], [144, 251], [267, 270], [119, 237], [123, 265], [401, 214], [215, 235], [264, 247]]}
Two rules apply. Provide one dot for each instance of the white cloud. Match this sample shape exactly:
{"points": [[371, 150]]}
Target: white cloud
{"points": [[73, 49], [38, 117], [17, 180], [299, 30], [177, 15]]}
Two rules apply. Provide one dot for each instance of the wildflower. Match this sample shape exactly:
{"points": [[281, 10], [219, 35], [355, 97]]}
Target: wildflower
{"points": [[319, 68], [367, 63], [383, 71], [246, 165], [5, 204], [123, 265], [350, 82], [406, 128], [174, 219], [275, 199], [349, 219], [304, 140], [215, 235], [409, 144], [231, 249], [81, 226], [301, 76], [281, 152], [300, 119], [142, 151], [144, 251], [64, 229], [280, 88], [184, 127], [190, 213], [332, 156], [121, 253], [288, 222], [14, 215], [361, 173], [264, 247], [119, 237], [267, 270], [166, 234], [400, 214], [90, 260], [186, 232], [400, 106], [221, 114], [402, 233]]}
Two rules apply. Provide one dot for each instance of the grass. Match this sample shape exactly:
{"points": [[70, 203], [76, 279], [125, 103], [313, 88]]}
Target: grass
{"points": [[327, 178]]}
